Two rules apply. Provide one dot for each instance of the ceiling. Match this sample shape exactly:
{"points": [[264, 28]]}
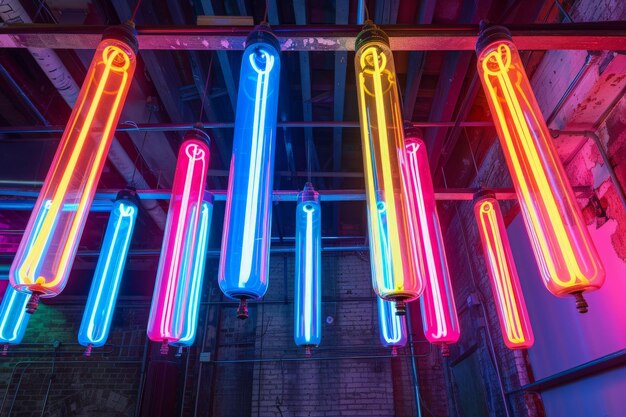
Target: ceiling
{"points": [[169, 86]]}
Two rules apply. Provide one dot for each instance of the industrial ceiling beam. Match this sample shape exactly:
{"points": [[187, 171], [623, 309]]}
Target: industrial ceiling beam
{"points": [[417, 61], [540, 37]]}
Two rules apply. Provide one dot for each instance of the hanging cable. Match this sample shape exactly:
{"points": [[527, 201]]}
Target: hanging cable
{"points": [[469, 144], [132, 17], [206, 87], [267, 6]]}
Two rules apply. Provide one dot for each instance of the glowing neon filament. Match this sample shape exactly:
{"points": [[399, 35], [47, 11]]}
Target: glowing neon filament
{"points": [[393, 270], [439, 316], [69, 187], [392, 327], [563, 248], [96, 322], [505, 286], [13, 316], [308, 283], [175, 272], [198, 262], [243, 268]]}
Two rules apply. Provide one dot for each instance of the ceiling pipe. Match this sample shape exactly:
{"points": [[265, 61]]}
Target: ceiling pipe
{"points": [[540, 37], [181, 127], [104, 198], [12, 12]]}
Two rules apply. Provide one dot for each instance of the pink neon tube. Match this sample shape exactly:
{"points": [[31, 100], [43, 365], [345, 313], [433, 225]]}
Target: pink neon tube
{"points": [[441, 323], [166, 323]]}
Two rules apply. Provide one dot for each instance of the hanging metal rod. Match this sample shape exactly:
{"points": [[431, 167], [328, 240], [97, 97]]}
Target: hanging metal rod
{"points": [[104, 198], [576, 36], [181, 127]]}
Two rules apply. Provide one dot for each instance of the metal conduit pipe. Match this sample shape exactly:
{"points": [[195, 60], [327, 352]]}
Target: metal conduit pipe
{"points": [[184, 126], [12, 12], [605, 157], [104, 198]]}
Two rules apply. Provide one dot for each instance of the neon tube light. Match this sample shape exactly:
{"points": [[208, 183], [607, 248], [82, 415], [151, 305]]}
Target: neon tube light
{"points": [[439, 316], [174, 274], [44, 267], [392, 327], [505, 285], [243, 268], [567, 258], [13, 317], [308, 268], [198, 262], [393, 271], [98, 314]]}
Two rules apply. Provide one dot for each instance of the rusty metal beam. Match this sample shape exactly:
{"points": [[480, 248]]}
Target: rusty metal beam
{"points": [[540, 37]]}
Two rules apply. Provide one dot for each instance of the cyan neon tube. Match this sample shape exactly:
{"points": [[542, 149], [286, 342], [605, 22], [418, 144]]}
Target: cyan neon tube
{"points": [[392, 327], [96, 322], [308, 285], [198, 263], [174, 274], [13, 316], [243, 269]]}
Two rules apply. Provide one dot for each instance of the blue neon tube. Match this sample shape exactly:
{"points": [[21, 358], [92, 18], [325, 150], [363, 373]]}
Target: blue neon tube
{"points": [[392, 326], [308, 286], [96, 322], [246, 236], [13, 316], [197, 255]]}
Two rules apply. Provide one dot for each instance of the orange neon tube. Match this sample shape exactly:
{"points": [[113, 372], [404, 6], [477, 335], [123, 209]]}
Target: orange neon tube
{"points": [[505, 285], [567, 258], [43, 260], [391, 253]]}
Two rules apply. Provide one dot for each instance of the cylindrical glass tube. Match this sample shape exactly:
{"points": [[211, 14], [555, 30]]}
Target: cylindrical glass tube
{"points": [[393, 273], [13, 316], [308, 285], [98, 314], [567, 258], [174, 273], [69, 187], [505, 285], [243, 268], [439, 316], [198, 263], [392, 327]]}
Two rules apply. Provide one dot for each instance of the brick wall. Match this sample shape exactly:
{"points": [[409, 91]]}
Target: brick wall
{"points": [[36, 374]]}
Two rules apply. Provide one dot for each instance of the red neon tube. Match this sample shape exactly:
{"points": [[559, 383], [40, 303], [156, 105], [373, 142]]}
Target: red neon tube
{"points": [[44, 259], [567, 258], [505, 285]]}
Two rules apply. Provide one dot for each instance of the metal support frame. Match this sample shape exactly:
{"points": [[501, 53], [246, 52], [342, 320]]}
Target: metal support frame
{"points": [[540, 37], [184, 126], [104, 198]]}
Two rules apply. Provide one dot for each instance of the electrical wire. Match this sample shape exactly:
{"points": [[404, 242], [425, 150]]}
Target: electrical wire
{"points": [[132, 17], [206, 87]]}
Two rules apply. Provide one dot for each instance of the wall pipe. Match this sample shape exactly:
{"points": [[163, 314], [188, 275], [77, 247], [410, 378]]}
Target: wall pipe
{"points": [[129, 126], [104, 198], [415, 377], [313, 359], [605, 157], [603, 364]]}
